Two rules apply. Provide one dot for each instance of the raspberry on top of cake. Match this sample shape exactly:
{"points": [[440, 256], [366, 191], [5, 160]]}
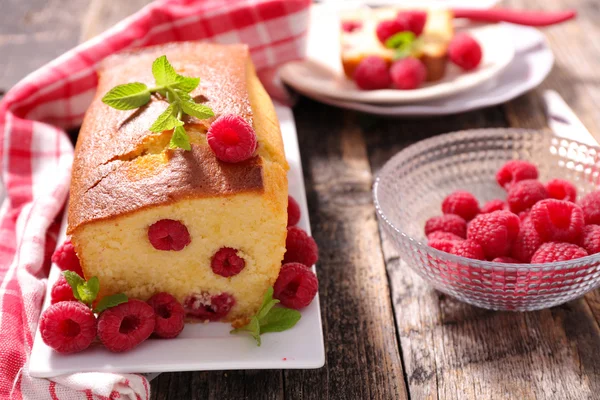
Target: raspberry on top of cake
{"points": [[145, 218]]}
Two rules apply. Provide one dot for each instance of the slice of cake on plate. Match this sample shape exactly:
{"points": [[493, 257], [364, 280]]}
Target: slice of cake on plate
{"points": [[146, 218], [359, 38]]}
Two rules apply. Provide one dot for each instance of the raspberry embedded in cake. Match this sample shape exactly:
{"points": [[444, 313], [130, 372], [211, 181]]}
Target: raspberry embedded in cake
{"points": [[351, 26], [207, 307], [226, 262], [168, 234]]}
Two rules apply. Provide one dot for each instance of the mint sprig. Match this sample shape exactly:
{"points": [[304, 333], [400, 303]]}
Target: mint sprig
{"points": [[87, 292], [110, 301], [404, 43], [175, 89], [269, 318]]}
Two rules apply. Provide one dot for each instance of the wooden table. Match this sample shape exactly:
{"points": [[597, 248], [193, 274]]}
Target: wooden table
{"points": [[388, 335]]}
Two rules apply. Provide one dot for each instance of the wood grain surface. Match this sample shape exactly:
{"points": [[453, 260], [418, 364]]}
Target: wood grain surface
{"points": [[388, 334]]}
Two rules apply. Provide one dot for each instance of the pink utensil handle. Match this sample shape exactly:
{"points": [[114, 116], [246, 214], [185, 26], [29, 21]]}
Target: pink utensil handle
{"points": [[520, 17]]}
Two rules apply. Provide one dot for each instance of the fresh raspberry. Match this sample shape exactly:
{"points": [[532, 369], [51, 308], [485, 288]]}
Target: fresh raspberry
{"points": [[469, 249], [387, 29], [506, 260], [461, 247], [414, 19], [125, 326], [591, 208], [205, 307], [553, 252], [461, 203], [445, 245], [464, 51], [351, 26], [443, 235], [523, 215], [591, 239], [561, 189], [493, 205], [293, 212], [527, 242], [372, 73], [169, 315], [558, 220], [524, 194], [514, 171], [168, 234], [231, 138], [447, 223], [296, 286], [408, 73], [495, 232], [61, 291], [300, 247], [66, 258], [68, 326], [226, 262]]}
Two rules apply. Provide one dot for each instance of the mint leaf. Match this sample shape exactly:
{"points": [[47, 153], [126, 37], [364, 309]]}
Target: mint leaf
{"points": [[167, 120], [186, 84], [197, 110], [127, 96], [110, 301], [171, 86], [400, 54], [74, 280], [270, 318], [253, 327], [88, 291], [279, 319], [400, 41], [180, 139], [183, 95], [163, 71], [268, 303]]}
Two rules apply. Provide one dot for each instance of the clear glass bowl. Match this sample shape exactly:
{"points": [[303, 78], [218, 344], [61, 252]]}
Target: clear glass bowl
{"points": [[410, 189]]}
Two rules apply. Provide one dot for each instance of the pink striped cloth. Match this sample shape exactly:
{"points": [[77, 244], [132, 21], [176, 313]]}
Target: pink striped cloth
{"points": [[36, 157]]}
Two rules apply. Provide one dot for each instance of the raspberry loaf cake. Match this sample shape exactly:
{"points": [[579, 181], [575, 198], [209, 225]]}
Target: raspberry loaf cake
{"points": [[145, 218]]}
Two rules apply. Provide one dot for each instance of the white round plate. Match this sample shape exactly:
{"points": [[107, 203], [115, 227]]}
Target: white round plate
{"points": [[321, 72], [532, 63]]}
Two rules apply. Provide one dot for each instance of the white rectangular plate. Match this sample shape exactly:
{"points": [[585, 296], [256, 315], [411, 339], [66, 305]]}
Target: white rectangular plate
{"points": [[202, 347]]}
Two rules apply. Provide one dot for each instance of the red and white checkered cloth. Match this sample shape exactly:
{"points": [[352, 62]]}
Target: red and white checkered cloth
{"points": [[36, 157]]}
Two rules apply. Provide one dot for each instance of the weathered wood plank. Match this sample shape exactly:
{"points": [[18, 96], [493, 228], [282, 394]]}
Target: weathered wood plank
{"points": [[575, 74], [262, 385], [362, 353]]}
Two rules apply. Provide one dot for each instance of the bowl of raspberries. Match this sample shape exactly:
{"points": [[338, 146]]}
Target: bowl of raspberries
{"points": [[505, 219]]}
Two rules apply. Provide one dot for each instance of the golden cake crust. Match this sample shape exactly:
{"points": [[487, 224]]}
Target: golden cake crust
{"points": [[120, 166]]}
